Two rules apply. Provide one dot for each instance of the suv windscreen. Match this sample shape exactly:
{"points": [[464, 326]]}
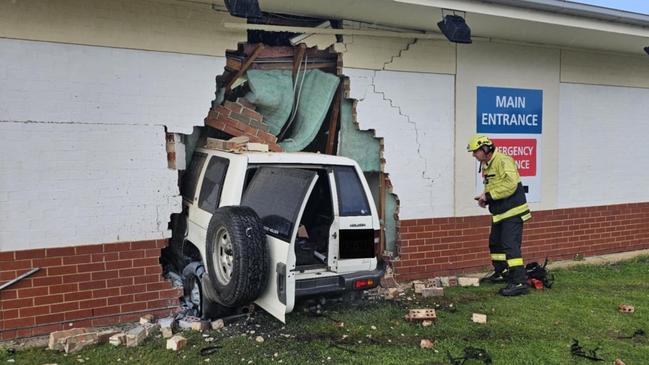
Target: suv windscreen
{"points": [[210, 195], [190, 178], [351, 195], [277, 194]]}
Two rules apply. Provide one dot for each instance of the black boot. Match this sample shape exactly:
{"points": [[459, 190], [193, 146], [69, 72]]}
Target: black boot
{"points": [[517, 285], [514, 289]]}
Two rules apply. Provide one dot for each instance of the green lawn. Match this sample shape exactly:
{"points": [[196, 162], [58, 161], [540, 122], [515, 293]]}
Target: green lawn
{"points": [[532, 329]]}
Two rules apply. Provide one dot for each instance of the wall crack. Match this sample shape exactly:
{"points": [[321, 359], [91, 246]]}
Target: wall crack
{"points": [[399, 110]]}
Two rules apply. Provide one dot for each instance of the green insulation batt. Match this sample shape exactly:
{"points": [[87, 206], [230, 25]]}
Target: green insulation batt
{"points": [[313, 97], [272, 93], [360, 146]]}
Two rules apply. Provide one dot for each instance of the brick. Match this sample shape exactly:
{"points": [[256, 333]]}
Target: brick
{"points": [[30, 254], [142, 245], [108, 292], [116, 247], [7, 256], [78, 259], [234, 107], [50, 318], [78, 314], [17, 265], [64, 288], [78, 295], [129, 255], [33, 292], [115, 309], [89, 249], [122, 299], [134, 289], [138, 271], [133, 307], [117, 339], [19, 322], [176, 343], [479, 318], [59, 251], [18, 303], [61, 270], [106, 274], [152, 252], [57, 339], [90, 285], [120, 282], [257, 117], [97, 266], [92, 303], [122, 264], [135, 336], [76, 278], [77, 342], [147, 279]]}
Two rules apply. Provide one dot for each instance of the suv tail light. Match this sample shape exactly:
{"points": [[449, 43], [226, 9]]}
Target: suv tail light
{"points": [[364, 283], [377, 243]]}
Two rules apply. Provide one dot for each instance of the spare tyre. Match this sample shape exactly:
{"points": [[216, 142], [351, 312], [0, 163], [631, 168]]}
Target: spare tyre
{"points": [[237, 256]]}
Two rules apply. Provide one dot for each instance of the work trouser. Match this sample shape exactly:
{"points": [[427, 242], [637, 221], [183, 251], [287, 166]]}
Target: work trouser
{"points": [[505, 248]]}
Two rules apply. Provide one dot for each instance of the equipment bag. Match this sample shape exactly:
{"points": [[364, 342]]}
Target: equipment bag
{"points": [[538, 276]]}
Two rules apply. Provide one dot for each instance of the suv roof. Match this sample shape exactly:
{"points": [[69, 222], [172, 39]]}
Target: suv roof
{"points": [[284, 157]]}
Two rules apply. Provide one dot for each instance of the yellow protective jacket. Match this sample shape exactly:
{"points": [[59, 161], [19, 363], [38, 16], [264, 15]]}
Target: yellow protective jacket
{"points": [[503, 188]]}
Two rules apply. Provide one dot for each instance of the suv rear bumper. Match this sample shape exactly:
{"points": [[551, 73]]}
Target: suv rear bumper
{"points": [[338, 284]]}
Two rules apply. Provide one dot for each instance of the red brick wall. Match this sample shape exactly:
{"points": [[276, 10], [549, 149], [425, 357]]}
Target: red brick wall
{"points": [[441, 246], [82, 286]]}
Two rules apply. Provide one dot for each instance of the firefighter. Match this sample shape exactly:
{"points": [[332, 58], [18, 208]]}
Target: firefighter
{"points": [[505, 196]]}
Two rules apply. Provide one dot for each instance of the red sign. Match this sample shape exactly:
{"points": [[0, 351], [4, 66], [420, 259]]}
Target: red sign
{"points": [[523, 151]]}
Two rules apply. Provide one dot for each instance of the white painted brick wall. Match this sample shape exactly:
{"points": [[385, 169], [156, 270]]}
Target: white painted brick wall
{"points": [[91, 165], [413, 112], [602, 145]]}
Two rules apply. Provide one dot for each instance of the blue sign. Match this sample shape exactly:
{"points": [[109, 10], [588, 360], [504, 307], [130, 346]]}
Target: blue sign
{"points": [[506, 110]]}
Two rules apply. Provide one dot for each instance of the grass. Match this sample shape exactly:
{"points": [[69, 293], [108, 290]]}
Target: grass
{"points": [[532, 329]]}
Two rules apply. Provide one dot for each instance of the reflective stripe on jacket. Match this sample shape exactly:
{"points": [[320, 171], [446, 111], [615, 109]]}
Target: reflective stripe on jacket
{"points": [[503, 188]]}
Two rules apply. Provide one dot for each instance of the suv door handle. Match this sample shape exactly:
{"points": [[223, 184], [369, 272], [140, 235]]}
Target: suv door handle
{"points": [[334, 235]]}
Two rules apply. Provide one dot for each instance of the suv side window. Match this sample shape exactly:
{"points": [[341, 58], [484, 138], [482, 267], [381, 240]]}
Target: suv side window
{"points": [[351, 196], [190, 178], [213, 184]]}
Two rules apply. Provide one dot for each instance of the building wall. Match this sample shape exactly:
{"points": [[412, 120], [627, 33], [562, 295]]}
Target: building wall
{"points": [[83, 286], [442, 246], [601, 136], [83, 129]]}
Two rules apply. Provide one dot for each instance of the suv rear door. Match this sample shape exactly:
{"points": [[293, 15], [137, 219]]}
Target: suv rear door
{"points": [[279, 196]]}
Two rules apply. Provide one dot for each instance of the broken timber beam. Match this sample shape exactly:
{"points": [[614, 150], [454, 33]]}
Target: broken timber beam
{"points": [[297, 59], [245, 66], [333, 122]]}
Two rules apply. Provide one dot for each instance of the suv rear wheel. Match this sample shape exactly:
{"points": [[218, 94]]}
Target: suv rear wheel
{"points": [[194, 296], [237, 256]]}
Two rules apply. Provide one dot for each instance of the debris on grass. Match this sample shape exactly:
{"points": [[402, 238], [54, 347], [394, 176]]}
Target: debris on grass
{"points": [[147, 319], [176, 343], [118, 339], [577, 350], [619, 362], [625, 308], [426, 323], [432, 292], [471, 353], [479, 318], [468, 281], [259, 339], [426, 344], [421, 314], [638, 333]]}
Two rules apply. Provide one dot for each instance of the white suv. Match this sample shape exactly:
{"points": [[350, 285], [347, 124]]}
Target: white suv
{"points": [[272, 227]]}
